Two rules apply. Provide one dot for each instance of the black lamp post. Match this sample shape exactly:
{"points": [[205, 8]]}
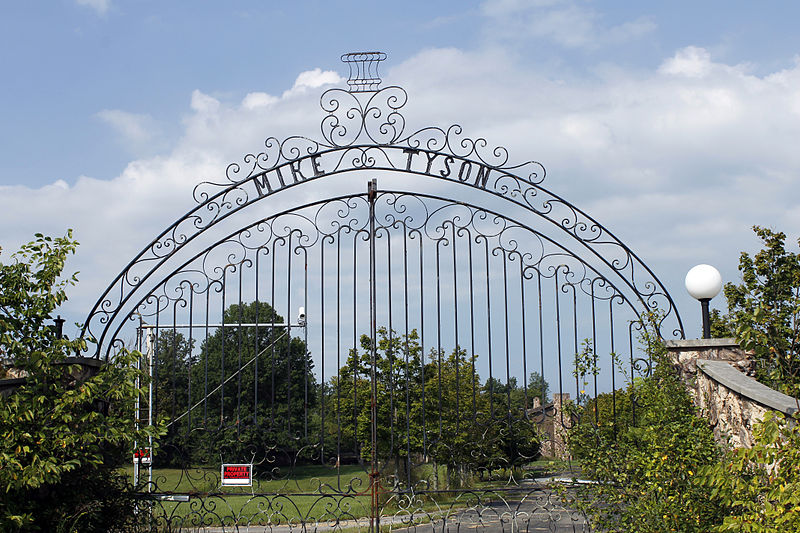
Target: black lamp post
{"points": [[704, 282], [59, 326]]}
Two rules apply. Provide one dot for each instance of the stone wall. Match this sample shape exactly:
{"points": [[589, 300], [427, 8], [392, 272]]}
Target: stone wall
{"points": [[715, 372], [559, 437], [552, 427]]}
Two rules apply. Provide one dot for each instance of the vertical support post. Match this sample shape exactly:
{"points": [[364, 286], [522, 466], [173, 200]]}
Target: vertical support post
{"points": [[372, 192], [150, 385], [59, 326], [706, 317], [138, 404]]}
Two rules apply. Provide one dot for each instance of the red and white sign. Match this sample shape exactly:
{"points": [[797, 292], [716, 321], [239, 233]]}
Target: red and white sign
{"points": [[143, 456], [237, 475]]}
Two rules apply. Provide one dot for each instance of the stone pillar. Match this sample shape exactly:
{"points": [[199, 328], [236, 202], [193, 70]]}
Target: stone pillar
{"points": [[686, 352], [717, 374], [559, 437]]}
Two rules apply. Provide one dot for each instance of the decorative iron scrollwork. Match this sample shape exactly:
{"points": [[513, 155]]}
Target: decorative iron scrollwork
{"points": [[363, 70], [367, 131], [472, 293]]}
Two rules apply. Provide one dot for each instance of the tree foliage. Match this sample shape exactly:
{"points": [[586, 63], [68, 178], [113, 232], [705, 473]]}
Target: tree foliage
{"points": [[646, 466], [665, 473], [244, 387], [437, 411], [398, 374], [764, 311], [760, 486], [246, 390], [62, 439]]}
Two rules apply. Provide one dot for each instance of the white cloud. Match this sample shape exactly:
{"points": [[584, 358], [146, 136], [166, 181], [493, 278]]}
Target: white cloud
{"points": [[692, 61], [101, 6], [114, 218], [564, 22], [135, 128], [312, 79], [203, 103], [316, 78], [678, 161], [258, 99], [678, 165]]}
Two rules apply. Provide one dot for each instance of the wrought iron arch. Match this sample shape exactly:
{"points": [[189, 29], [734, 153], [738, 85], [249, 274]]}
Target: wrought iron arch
{"points": [[368, 136], [473, 275], [547, 264]]}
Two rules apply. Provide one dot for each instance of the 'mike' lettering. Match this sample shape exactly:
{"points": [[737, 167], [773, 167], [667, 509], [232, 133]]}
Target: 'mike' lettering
{"points": [[315, 165], [295, 168], [280, 177], [263, 183]]}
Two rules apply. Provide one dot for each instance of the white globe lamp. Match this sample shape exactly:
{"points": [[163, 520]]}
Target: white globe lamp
{"points": [[704, 282]]}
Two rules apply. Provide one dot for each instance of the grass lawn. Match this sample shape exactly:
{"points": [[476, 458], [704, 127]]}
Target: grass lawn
{"points": [[546, 467], [309, 493], [315, 479]]}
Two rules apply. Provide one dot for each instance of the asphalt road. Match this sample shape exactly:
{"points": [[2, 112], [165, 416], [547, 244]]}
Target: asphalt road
{"points": [[531, 515]]}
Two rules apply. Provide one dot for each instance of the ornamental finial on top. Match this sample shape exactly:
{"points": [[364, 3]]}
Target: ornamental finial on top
{"points": [[363, 70]]}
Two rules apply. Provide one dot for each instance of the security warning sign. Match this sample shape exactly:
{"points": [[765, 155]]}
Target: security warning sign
{"points": [[142, 456], [237, 475]]}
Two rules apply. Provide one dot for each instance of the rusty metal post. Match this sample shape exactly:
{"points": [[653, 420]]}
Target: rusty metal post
{"points": [[374, 476]]}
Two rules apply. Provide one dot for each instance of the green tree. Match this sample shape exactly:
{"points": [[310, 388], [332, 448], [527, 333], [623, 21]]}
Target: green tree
{"points": [[764, 311], [647, 470], [172, 391], [607, 411], [248, 388], [435, 412], [398, 373], [173, 353], [459, 429], [760, 485], [538, 387], [664, 473], [510, 437], [60, 449]]}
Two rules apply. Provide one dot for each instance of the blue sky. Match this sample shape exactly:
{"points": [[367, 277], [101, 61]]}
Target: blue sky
{"points": [[673, 123], [68, 61]]}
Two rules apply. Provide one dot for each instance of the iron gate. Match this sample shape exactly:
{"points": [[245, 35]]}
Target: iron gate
{"points": [[396, 356]]}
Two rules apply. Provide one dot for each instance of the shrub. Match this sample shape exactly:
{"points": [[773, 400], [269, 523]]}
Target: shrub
{"points": [[760, 485], [60, 443], [645, 473], [764, 311]]}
